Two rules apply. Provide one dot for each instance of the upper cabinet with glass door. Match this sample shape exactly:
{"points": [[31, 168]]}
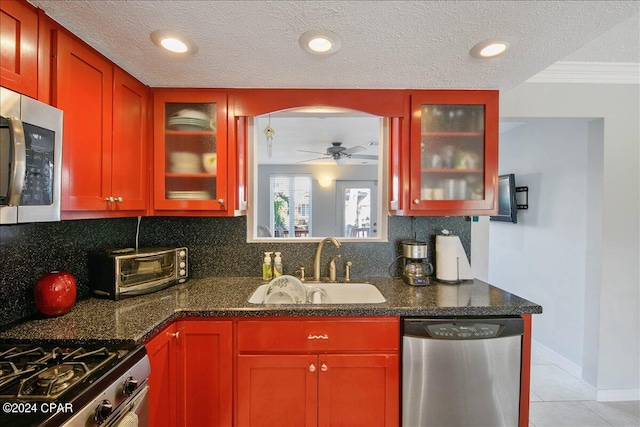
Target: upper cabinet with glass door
{"points": [[453, 153], [190, 152]]}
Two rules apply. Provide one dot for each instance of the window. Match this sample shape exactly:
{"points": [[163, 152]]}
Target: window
{"points": [[357, 212], [290, 201], [299, 149]]}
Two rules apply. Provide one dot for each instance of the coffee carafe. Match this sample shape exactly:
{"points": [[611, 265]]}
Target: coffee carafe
{"points": [[416, 270]]}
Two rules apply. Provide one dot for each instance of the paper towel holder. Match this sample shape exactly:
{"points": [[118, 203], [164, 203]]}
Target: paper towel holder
{"points": [[452, 264]]}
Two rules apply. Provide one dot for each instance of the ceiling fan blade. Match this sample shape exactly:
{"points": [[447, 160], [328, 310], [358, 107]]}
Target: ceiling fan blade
{"points": [[364, 156], [353, 150], [310, 160], [314, 152]]}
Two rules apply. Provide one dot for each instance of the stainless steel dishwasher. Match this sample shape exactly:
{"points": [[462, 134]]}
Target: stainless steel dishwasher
{"points": [[461, 372]]}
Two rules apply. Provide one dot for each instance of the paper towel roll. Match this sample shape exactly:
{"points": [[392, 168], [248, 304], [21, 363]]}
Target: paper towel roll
{"points": [[452, 264]]}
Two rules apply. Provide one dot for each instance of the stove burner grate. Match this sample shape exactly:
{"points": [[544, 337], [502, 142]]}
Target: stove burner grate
{"points": [[29, 373]]}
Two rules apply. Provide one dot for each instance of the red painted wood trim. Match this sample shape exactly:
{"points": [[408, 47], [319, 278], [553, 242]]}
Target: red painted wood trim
{"points": [[525, 372], [381, 102]]}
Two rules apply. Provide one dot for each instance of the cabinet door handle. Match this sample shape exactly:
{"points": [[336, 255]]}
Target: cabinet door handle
{"points": [[416, 201], [176, 334], [221, 201], [119, 199], [318, 337], [109, 199], [324, 367], [312, 368]]}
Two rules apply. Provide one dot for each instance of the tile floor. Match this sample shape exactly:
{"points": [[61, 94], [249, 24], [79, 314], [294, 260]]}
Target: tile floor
{"points": [[559, 399]]}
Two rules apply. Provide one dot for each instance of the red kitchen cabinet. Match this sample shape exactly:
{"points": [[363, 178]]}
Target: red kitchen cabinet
{"points": [[358, 390], [105, 161], [130, 165], [19, 53], [163, 356], [318, 390], [83, 90], [320, 372], [191, 374], [277, 390], [205, 375], [191, 160], [449, 164]]}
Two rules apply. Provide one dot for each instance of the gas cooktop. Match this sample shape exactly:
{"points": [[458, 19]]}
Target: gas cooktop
{"points": [[36, 373], [45, 385]]}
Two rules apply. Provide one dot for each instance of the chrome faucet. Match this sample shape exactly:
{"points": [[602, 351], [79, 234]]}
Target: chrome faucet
{"points": [[316, 261]]}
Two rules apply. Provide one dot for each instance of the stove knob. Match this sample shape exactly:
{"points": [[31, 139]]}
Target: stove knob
{"points": [[129, 386], [102, 411]]}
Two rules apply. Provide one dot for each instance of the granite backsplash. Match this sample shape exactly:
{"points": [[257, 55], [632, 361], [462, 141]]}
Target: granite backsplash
{"points": [[217, 247]]}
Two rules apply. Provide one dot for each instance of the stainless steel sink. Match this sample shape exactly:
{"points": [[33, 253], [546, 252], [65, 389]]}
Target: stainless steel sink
{"points": [[332, 293]]}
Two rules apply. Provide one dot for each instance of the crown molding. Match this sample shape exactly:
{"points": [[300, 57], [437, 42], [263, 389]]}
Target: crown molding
{"points": [[589, 72]]}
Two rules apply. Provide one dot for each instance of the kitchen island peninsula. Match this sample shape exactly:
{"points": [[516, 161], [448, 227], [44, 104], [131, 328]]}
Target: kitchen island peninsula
{"points": [[134, 320], [207, 329]]}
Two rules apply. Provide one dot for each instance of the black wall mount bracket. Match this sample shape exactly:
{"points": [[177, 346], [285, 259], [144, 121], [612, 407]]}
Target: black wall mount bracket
{"points": [[522, 197]]}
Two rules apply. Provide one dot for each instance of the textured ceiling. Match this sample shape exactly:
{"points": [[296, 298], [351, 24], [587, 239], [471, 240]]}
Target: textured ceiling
{"points": [[385, 44], [619, 44]]}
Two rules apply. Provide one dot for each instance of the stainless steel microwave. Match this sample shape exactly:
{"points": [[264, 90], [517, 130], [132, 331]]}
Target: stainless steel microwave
{"points": [[119, 273], [30, 159]]}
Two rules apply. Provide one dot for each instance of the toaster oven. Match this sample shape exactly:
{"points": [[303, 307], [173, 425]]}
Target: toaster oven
{"points": [[120, 273]]}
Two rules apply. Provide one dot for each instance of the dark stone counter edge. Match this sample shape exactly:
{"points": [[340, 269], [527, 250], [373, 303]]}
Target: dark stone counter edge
{"points": [[233, 311], [364, 311]]}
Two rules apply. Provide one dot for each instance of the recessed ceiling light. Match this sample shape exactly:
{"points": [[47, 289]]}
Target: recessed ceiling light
{"points": [[321, 42], [173, 42], [490, 48], [174, 45]]}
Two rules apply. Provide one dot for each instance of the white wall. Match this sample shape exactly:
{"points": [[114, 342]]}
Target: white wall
{"points": [[542, 257], [595, 184], [613, 295]]}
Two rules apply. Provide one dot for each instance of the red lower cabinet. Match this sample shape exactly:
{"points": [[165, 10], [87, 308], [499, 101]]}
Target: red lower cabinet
{"points": [[294, 372], [163, 354], [277, 390], [358, 390], [205, 376], [191, 374]]}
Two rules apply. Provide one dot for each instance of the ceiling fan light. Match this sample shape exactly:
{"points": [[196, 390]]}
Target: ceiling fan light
{"points": [[325, 181], [320, 42]]}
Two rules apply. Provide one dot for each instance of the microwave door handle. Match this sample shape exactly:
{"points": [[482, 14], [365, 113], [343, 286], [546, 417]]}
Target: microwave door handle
{"points": [[18, 161]]}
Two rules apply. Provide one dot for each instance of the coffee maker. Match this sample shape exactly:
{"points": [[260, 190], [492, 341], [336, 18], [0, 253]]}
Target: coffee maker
{"points": [[416, 270]]}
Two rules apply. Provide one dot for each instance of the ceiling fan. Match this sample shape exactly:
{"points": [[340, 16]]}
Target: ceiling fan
{"points": [[340, 154]]}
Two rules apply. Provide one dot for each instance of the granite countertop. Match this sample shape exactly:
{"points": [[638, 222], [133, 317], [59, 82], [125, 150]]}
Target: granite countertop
{"points": [[133, 321]]}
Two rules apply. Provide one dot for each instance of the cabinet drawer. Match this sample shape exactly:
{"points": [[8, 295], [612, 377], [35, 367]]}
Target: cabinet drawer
{"points": [[319, 335]]}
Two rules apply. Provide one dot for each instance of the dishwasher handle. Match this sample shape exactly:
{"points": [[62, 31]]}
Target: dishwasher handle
{"points": [[463, 329]]}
